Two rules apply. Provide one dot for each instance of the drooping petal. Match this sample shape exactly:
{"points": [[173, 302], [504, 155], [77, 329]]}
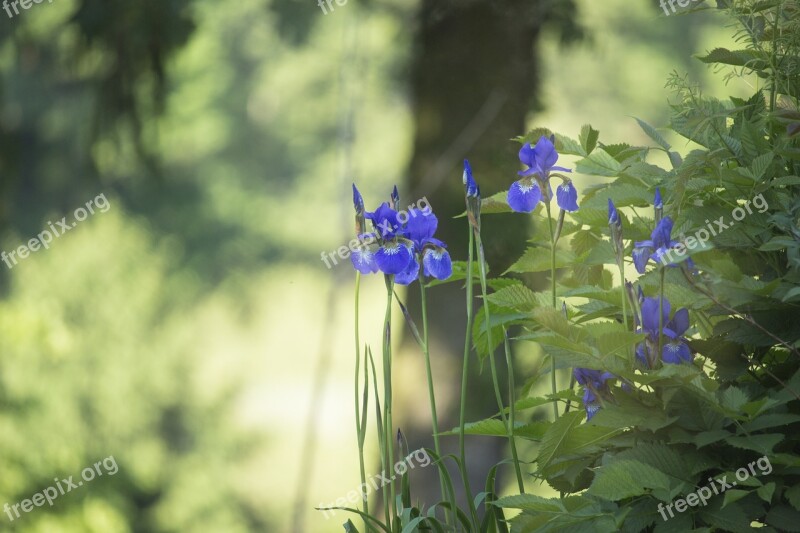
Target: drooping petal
{"points": [[408, 275], [437, 263], [523, 195], [641, 255], [393, 257], [363, 260], [676, 352], [421, 225], [567, 197], [650, 308], [591, 410]]}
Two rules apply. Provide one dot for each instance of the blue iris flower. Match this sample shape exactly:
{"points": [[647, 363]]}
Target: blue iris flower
{"points": [[675, 350], [436, 263], [400, 242], [394, 254], [524, 194], [595, 384], [660, 241]]}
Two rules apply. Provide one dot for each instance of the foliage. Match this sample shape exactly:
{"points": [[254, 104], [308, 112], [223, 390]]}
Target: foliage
{"points": [[663, 432]]}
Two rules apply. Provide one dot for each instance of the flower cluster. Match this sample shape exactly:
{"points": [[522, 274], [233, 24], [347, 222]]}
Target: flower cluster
{"points": [[400, 242], [675, 350], [595, 388], [534, 186]]}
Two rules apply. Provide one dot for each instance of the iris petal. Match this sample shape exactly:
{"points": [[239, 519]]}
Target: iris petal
{"points": [[408, 275], [384, 218], [650, 308], [641, 354], [393, 258], [437, 263], [420, 226], [676, 353], [527, 156], [523, 195], [567, 197], [641, 255], [364, 261], [662, 235], [546, 155], [680, 321]]}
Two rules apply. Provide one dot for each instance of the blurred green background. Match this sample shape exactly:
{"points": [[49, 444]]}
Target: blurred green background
{"points": [[192, 331]]}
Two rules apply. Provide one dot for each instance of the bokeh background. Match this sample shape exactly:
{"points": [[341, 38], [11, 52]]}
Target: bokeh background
{"points": [[192, 331]]}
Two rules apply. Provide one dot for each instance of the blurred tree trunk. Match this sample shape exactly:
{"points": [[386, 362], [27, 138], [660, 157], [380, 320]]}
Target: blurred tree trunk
{"points": [[474, 77]]}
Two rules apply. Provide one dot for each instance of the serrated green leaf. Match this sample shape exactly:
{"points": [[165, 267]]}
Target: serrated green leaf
{"points": [[628, 478], [653, 134], [765, 492], [518, 297], [793, 496], [733, 495], [751, 59], [763, 443], [588, 138], [599, 163]]}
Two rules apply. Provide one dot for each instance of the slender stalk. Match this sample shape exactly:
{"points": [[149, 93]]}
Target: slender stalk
{"points": [[624, 294], [388, 492], [571, 386], [464, 376], [431, 394], [490, 344], [512, 411], [553, 384], [360, 433]]}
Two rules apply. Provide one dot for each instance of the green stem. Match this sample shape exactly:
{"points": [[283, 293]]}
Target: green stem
{"points": [[553, 384], [361, 435], [512, 410], [388, 492], [631, 357], [490, 343], [464, 376], [431, 394]]}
